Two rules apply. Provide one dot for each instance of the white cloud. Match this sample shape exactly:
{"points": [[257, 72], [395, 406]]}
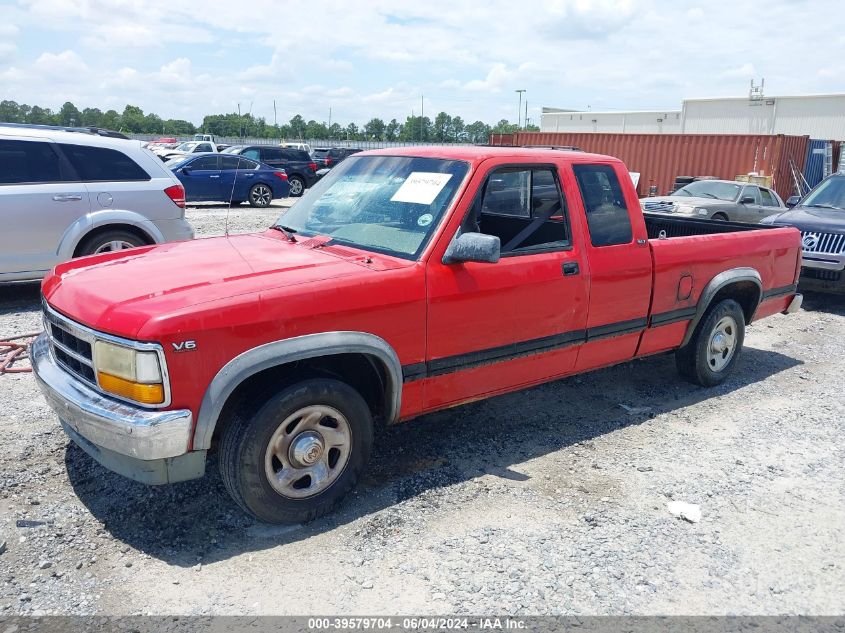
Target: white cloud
{"points": [[744, 71]]}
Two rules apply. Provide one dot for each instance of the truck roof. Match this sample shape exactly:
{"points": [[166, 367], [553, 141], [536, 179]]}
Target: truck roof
{"points": [[477, 153]]}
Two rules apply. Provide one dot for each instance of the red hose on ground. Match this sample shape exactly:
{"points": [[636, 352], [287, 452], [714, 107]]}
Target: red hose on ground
{"points": [[12, 352]]}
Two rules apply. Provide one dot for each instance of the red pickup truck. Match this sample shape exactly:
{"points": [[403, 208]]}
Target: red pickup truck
{"points": [[406, 281]]}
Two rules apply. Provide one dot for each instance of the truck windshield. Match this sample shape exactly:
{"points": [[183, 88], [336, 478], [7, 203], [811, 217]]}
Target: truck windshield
{"points": [[727, 191], [828, 195], [388, 204]]}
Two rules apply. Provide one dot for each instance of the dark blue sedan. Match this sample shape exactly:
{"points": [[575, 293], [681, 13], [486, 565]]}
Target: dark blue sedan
{"points": [[229, 178]]}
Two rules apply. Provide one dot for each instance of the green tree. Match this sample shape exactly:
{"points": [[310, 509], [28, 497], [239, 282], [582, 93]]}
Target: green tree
{"points": [[442, 127], [110, 120], [92, 117], [478, 132], [132, 119], [352, 132], [69, 115], [375, 129], [503, 127], [42, 116], [313, 129], [335, 130], [416, 129], [458, 128], [297, 126], [392, 131], [10, 112]]}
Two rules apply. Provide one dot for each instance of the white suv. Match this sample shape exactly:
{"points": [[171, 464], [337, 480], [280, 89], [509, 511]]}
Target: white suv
{"points": [[65, 194]]}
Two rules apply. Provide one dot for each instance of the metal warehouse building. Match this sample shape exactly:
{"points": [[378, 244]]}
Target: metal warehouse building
{"points": [[816, 116]]}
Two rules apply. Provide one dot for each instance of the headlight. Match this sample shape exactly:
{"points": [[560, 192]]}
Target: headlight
{"points": [[685, 208], [129, 373], [701, 211]]}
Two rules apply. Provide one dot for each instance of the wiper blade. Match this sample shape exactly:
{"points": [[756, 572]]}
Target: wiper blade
{"points": [[823, 205], [286, 231], [709, 195]]}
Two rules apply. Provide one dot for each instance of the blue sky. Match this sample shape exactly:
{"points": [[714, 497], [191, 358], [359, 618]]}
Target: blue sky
{"points": [[375, 58]]}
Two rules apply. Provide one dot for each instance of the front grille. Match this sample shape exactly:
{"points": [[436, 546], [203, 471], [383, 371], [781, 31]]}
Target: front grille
{"points": [[821, 274], [71, 346], [826, 243], [658, 206]]}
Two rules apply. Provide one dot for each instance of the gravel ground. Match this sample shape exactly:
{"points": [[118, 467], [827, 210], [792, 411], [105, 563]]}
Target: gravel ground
{"points": [[553, 500]]}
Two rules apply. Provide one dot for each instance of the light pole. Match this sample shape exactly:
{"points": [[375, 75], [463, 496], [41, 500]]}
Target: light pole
{"points": [[519, 109]]}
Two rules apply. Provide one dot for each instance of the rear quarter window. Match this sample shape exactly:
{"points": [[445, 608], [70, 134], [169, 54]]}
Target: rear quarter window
{"points": [[97, 164], [608, 220]]}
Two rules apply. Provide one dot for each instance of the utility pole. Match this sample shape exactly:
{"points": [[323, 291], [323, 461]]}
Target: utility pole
{"points": [[526, 113], [275, 123], [330, 122], [519, 109], [422, 116]]}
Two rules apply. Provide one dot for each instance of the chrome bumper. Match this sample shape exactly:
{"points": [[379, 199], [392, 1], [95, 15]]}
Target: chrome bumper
{"points": [[795, 304], [116, 426]]}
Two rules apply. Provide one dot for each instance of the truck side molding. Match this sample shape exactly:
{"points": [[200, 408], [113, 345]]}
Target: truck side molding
{"points": [[719, 282], [287, 351]]}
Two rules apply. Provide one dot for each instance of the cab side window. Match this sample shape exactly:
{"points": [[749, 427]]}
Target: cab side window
{"points": [[608, 220], [767, 198], [30, 161], [524, 208]]}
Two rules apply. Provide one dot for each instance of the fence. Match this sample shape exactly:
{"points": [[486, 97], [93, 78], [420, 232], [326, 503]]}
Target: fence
{"points": [[313, 142]]}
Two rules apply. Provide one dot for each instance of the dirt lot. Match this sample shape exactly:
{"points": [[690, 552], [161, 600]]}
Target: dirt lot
{"points": [[553, 500]]}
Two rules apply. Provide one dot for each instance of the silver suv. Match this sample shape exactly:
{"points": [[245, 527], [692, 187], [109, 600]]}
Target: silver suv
{"points": [[65, 194]]}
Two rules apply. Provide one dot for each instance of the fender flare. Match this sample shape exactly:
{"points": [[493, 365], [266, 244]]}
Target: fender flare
{"points": [[720, 281], [290, 350], [82, 226]]}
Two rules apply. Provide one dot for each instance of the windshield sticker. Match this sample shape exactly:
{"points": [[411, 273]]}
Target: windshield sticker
{"points": [[425, 219], [421, 187]]}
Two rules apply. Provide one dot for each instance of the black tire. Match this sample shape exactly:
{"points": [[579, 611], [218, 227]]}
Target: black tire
{"points": [[260, 195], [693, 361], [297, 186], [719, 217], [246, 439], [101, 242]]}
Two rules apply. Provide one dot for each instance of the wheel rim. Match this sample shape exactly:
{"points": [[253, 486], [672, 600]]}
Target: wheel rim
{"points": [[308, 451], [114, 245], [261, 195], [722, 344], [295, 186]]}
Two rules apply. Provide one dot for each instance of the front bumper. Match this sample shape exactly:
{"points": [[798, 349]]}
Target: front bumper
{"points": [[145, 445]]}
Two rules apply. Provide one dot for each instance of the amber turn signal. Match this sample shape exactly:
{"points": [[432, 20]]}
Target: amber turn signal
{"points": [[145, 394]]}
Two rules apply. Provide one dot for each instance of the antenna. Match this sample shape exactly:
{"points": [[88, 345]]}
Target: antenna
{"points": [[231, 193]]}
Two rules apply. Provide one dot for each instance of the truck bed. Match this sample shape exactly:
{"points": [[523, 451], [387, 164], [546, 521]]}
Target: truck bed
{"points": [[676, 226]]}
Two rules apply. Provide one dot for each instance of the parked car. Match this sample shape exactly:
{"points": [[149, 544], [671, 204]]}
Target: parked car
{"points": [[66, 194], [300, 168], [227, 178], [205, 137], [820, 216], [188, 147], [391, 290], [718, 200], [328, 157], [305, 147]]}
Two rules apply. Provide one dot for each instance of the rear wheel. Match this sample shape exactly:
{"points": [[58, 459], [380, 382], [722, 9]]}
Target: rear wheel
{"points": [[294, 457], [260, 195], [109, 241], [297, 186], [715, 346]]}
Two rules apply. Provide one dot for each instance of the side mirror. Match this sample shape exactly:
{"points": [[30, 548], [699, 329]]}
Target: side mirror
{"points": [[473, 247], [185, 170], [791, 201], [747, 200]]}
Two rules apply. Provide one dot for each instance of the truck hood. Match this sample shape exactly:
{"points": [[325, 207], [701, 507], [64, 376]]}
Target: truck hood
{"points": [[814, 219], [118, 293]]}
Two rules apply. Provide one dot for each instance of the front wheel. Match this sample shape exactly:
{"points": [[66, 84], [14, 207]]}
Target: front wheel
{"points": [[260, 195], [296, 456], [715, 346]]}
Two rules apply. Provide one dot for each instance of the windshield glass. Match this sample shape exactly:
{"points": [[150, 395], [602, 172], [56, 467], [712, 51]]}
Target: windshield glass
{"points": [[187, 146], [320, 152], [830, 194], [389, 204], [727, 191], [234, 149]]}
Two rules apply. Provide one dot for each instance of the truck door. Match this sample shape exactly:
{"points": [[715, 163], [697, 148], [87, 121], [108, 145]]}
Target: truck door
{"points": [[620, 264], [494, 327]]}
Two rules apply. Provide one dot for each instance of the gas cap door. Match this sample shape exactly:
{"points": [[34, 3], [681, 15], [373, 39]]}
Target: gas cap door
{"points": [[105, 200]]}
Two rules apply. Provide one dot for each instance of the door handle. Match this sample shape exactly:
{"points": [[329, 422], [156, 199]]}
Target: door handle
{"points": [[570, 268], [68, 197]]}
